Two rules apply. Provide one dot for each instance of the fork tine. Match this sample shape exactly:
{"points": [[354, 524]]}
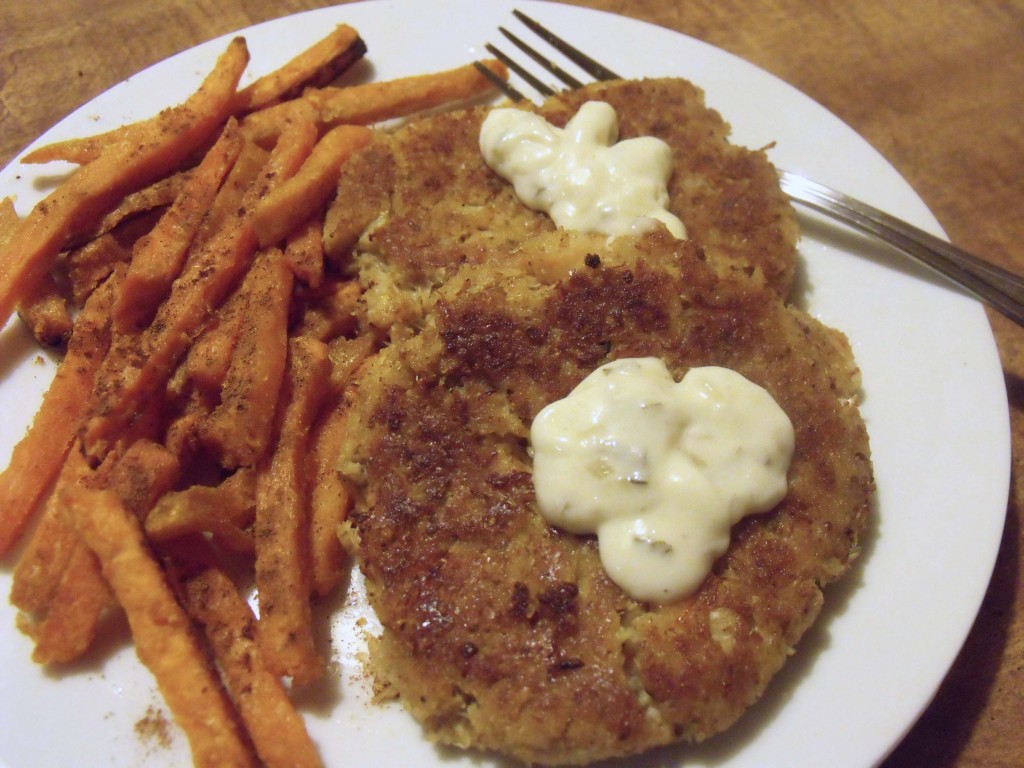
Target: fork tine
{"points": [[545, 62], [538, 85], [594, 69], [502, 85]]}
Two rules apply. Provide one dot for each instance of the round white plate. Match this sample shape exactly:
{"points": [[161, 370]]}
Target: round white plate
{"points": [[934, 402]]}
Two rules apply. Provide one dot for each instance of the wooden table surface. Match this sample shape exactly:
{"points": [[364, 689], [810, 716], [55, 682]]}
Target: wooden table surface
{"points": [[936, 85]]}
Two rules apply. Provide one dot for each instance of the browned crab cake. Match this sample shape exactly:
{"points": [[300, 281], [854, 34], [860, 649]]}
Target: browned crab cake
{"points": [[419, 202], [504, 633]]}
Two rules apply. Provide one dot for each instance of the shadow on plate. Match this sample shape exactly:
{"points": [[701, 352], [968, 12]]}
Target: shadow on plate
{"points": [[834, 235]]}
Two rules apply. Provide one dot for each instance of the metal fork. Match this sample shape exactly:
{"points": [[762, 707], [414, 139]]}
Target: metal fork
{"points": [[999, 288]]}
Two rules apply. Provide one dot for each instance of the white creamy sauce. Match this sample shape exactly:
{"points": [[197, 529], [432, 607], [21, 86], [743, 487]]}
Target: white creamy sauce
{"points": [[582, 176], [660, 470]]}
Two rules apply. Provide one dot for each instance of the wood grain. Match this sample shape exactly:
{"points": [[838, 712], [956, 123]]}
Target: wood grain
{"points": [[937, 86]]}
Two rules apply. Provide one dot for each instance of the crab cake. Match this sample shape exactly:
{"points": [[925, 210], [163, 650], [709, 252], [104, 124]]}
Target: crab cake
{"points": [[502, 632], [420, 201]]}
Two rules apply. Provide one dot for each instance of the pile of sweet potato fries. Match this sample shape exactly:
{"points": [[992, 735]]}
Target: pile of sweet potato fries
{"points": [[195, 415]]}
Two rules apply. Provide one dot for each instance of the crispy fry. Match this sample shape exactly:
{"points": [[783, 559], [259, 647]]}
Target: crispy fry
{"points": [[157, 195], [91, 263], [57, 584], [147, 425], [276, 728], [329, 503], [41, 564], [225, 511], [238, 431], [164, 640], [144, 365], [297, 140], [347, 357], [145, 472], [158, 256], [282, 521], [155, 148], [333, 313], [265, 125], [222, 251], [304, 251], [303, 196], [209, 359], [74, 614], [194, 408], [45, 311], [77, 150], [370, 103], [38, 457], [329, 498], [232, 195], [8, 220], [373, 102], [317, 65]]}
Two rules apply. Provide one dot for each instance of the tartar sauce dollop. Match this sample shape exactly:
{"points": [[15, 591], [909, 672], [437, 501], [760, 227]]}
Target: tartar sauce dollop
{"points": [[582, 176], [660, 470]]}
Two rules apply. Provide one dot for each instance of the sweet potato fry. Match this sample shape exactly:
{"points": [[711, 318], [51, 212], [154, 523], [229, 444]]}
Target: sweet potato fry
{"points": [[297, 140], [304, 252], [158, 256], [164, 639], [207, 363], [282, 521], [370, 103], [303, 196], [232, 195], [43, 309], [277, 730], [89, 264], [317, 65], [329, 503], [8, 220], [38, 457], [153, 149], [144, 473], [333, 313], [80, 150], [157, 195], [74, 614], [48, 551], [329, 498], [373, 102], [224, 511], [194, 407], [222, 251], [238, 431], [266, 125], [143, 366], [209, 359], [347, 357], [57, 584]]}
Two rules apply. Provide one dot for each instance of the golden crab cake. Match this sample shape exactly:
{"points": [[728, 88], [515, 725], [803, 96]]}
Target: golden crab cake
{"points": [[727, 196], [502, 632], [420, 201]]}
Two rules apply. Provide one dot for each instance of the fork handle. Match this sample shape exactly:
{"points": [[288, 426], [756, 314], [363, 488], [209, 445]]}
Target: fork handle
{"points": [[999, 288]]}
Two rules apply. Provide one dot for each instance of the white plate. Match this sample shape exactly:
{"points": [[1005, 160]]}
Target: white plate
{"points": [[935, 407]]}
